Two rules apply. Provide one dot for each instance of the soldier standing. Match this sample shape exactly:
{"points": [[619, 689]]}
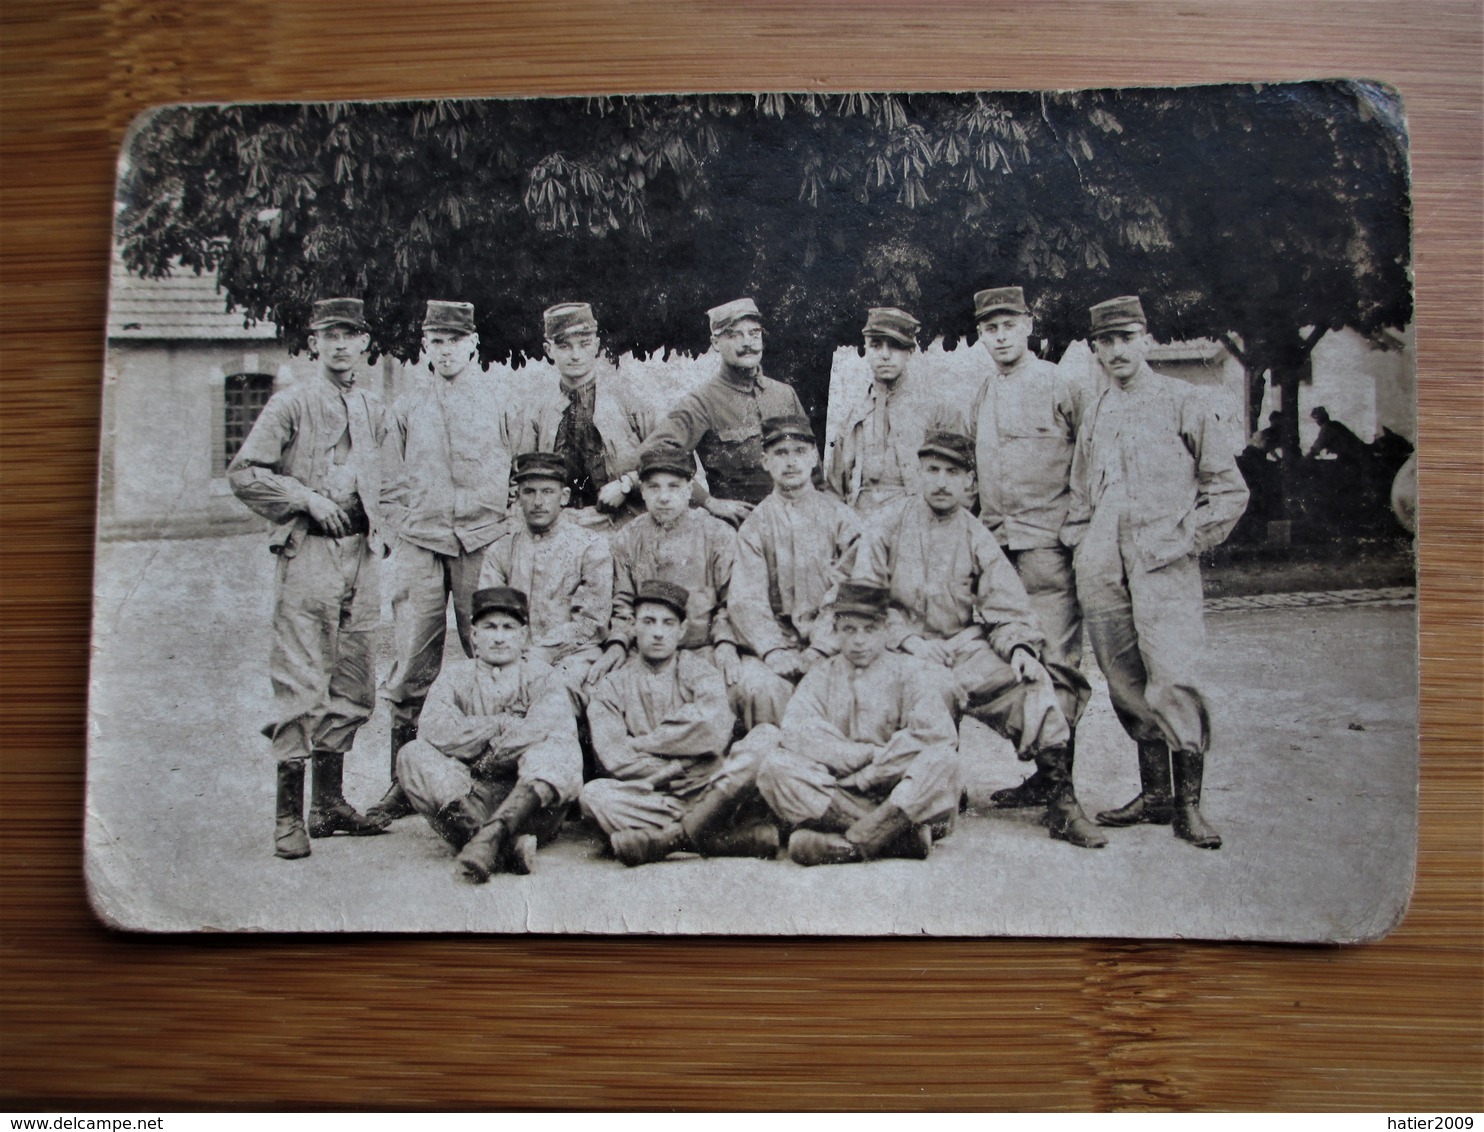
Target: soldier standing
{"points": [[791, 553], [592, 420], [1023, 419], [722, 421], [875, 457], [496, 762], [1152, 486], [454, 441], [866, 761], [312, 465], [661, 727], [957, 602]]}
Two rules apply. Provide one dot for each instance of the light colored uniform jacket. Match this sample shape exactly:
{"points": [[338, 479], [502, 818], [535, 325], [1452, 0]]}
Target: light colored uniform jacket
{"points": [[1162, 454], [791, 554], [1024, 427], [697, 553], [859, 446], [642, 719], [290, 454], [567, 576], [622, 419], [454, 440], [946, 575]]}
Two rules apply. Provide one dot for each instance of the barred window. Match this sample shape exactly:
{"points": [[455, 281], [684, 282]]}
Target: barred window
{"points": [[243, 395]]}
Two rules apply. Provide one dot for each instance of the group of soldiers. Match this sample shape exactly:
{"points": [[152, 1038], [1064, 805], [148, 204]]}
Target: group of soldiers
{"points": [[709, 643]]}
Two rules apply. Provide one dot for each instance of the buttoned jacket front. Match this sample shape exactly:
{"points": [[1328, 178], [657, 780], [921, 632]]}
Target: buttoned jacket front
{"points": [[454, 437], [1154, 450], [910, 409], [290, 454]]}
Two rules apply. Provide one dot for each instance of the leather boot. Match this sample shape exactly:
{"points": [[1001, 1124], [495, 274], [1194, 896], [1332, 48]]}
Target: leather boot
{"points": [[488, 848], [330, 812], [1064, 816], [888, 832], [290, 841], [645, 846], [1034, 791], [810, 847], [459, 820], [754, 839], [394, 803], [1189, 767], [1152, 806], [842, 813]]}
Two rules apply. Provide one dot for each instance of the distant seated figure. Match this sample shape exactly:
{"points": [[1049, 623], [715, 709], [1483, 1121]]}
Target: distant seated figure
{"points": [[661, 726], [1335, 439], [866, 760], [496, 761], [1268, 442]]}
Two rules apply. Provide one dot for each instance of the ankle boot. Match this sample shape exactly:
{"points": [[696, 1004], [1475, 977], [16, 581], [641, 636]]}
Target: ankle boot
{"points": [[755, 839], [487, 849], [1189, 767], [810, 847], [842, 813], [330, 812], [878, 834], [459, 820], [1152, 806], [394, 803], [1034, 791], [289, 838], [1064, 816]]}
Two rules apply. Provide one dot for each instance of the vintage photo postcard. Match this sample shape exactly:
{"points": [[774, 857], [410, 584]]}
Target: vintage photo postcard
{"points": [[954, 514]]}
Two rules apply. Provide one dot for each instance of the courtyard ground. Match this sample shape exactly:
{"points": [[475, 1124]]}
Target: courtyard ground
{"points": [[1312, 781]]}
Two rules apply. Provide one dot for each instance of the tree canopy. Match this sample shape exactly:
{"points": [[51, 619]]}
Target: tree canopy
{"points": [[1247, 212]]}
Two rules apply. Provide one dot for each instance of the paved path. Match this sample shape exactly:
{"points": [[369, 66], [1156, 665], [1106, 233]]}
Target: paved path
{"points": [[1312, 780]]}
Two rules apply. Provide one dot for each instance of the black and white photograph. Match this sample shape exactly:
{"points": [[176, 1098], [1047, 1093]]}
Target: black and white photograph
{"points": [[953, 514]]}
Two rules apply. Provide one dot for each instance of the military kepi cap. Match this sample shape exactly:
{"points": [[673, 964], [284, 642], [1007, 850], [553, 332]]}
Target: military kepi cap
{"points": [[1121, 313], [443, 315], [500, 599], [540, 465], [666, 458], [952, 446], [998, 299], [665, 593], [338, 312], [564, 318], [790, 427], [889, 322], [862, 598], [729, 314]]}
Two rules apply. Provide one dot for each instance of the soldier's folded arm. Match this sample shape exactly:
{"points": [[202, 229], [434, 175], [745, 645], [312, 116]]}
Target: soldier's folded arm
{"points": [[612, 745], [254, 473], [447, 727]]}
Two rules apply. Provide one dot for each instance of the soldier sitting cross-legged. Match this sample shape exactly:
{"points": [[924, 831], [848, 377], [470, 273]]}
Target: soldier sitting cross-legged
{"points": [[661, 726], [496, 761], [866, 760]]}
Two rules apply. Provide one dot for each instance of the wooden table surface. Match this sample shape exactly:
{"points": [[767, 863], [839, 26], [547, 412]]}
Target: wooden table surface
{"points": [[92, 1017]]}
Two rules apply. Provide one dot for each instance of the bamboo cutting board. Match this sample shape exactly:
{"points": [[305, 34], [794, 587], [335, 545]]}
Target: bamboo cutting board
{"points": [[93, 1017]]}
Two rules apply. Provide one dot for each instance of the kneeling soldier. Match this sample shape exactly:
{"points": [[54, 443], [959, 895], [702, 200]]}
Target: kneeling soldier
{"points": [[791, 553], [496, 760], [957, 602], [661, 726], [866, 761]]}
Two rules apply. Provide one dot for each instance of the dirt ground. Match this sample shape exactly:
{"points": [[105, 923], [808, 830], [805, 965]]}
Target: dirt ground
{"points": [[1312, 781]]}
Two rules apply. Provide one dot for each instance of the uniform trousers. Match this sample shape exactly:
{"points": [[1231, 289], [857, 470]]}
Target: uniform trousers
{"points": [[327, 605], [1148, 633], [618, 804], [432, 780], [799, 784], [1046, 573], [425, 580], [1033, 716]]}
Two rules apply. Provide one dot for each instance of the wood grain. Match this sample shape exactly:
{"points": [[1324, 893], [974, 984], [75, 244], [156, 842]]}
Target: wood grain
{"points": [[94, 1017]]}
